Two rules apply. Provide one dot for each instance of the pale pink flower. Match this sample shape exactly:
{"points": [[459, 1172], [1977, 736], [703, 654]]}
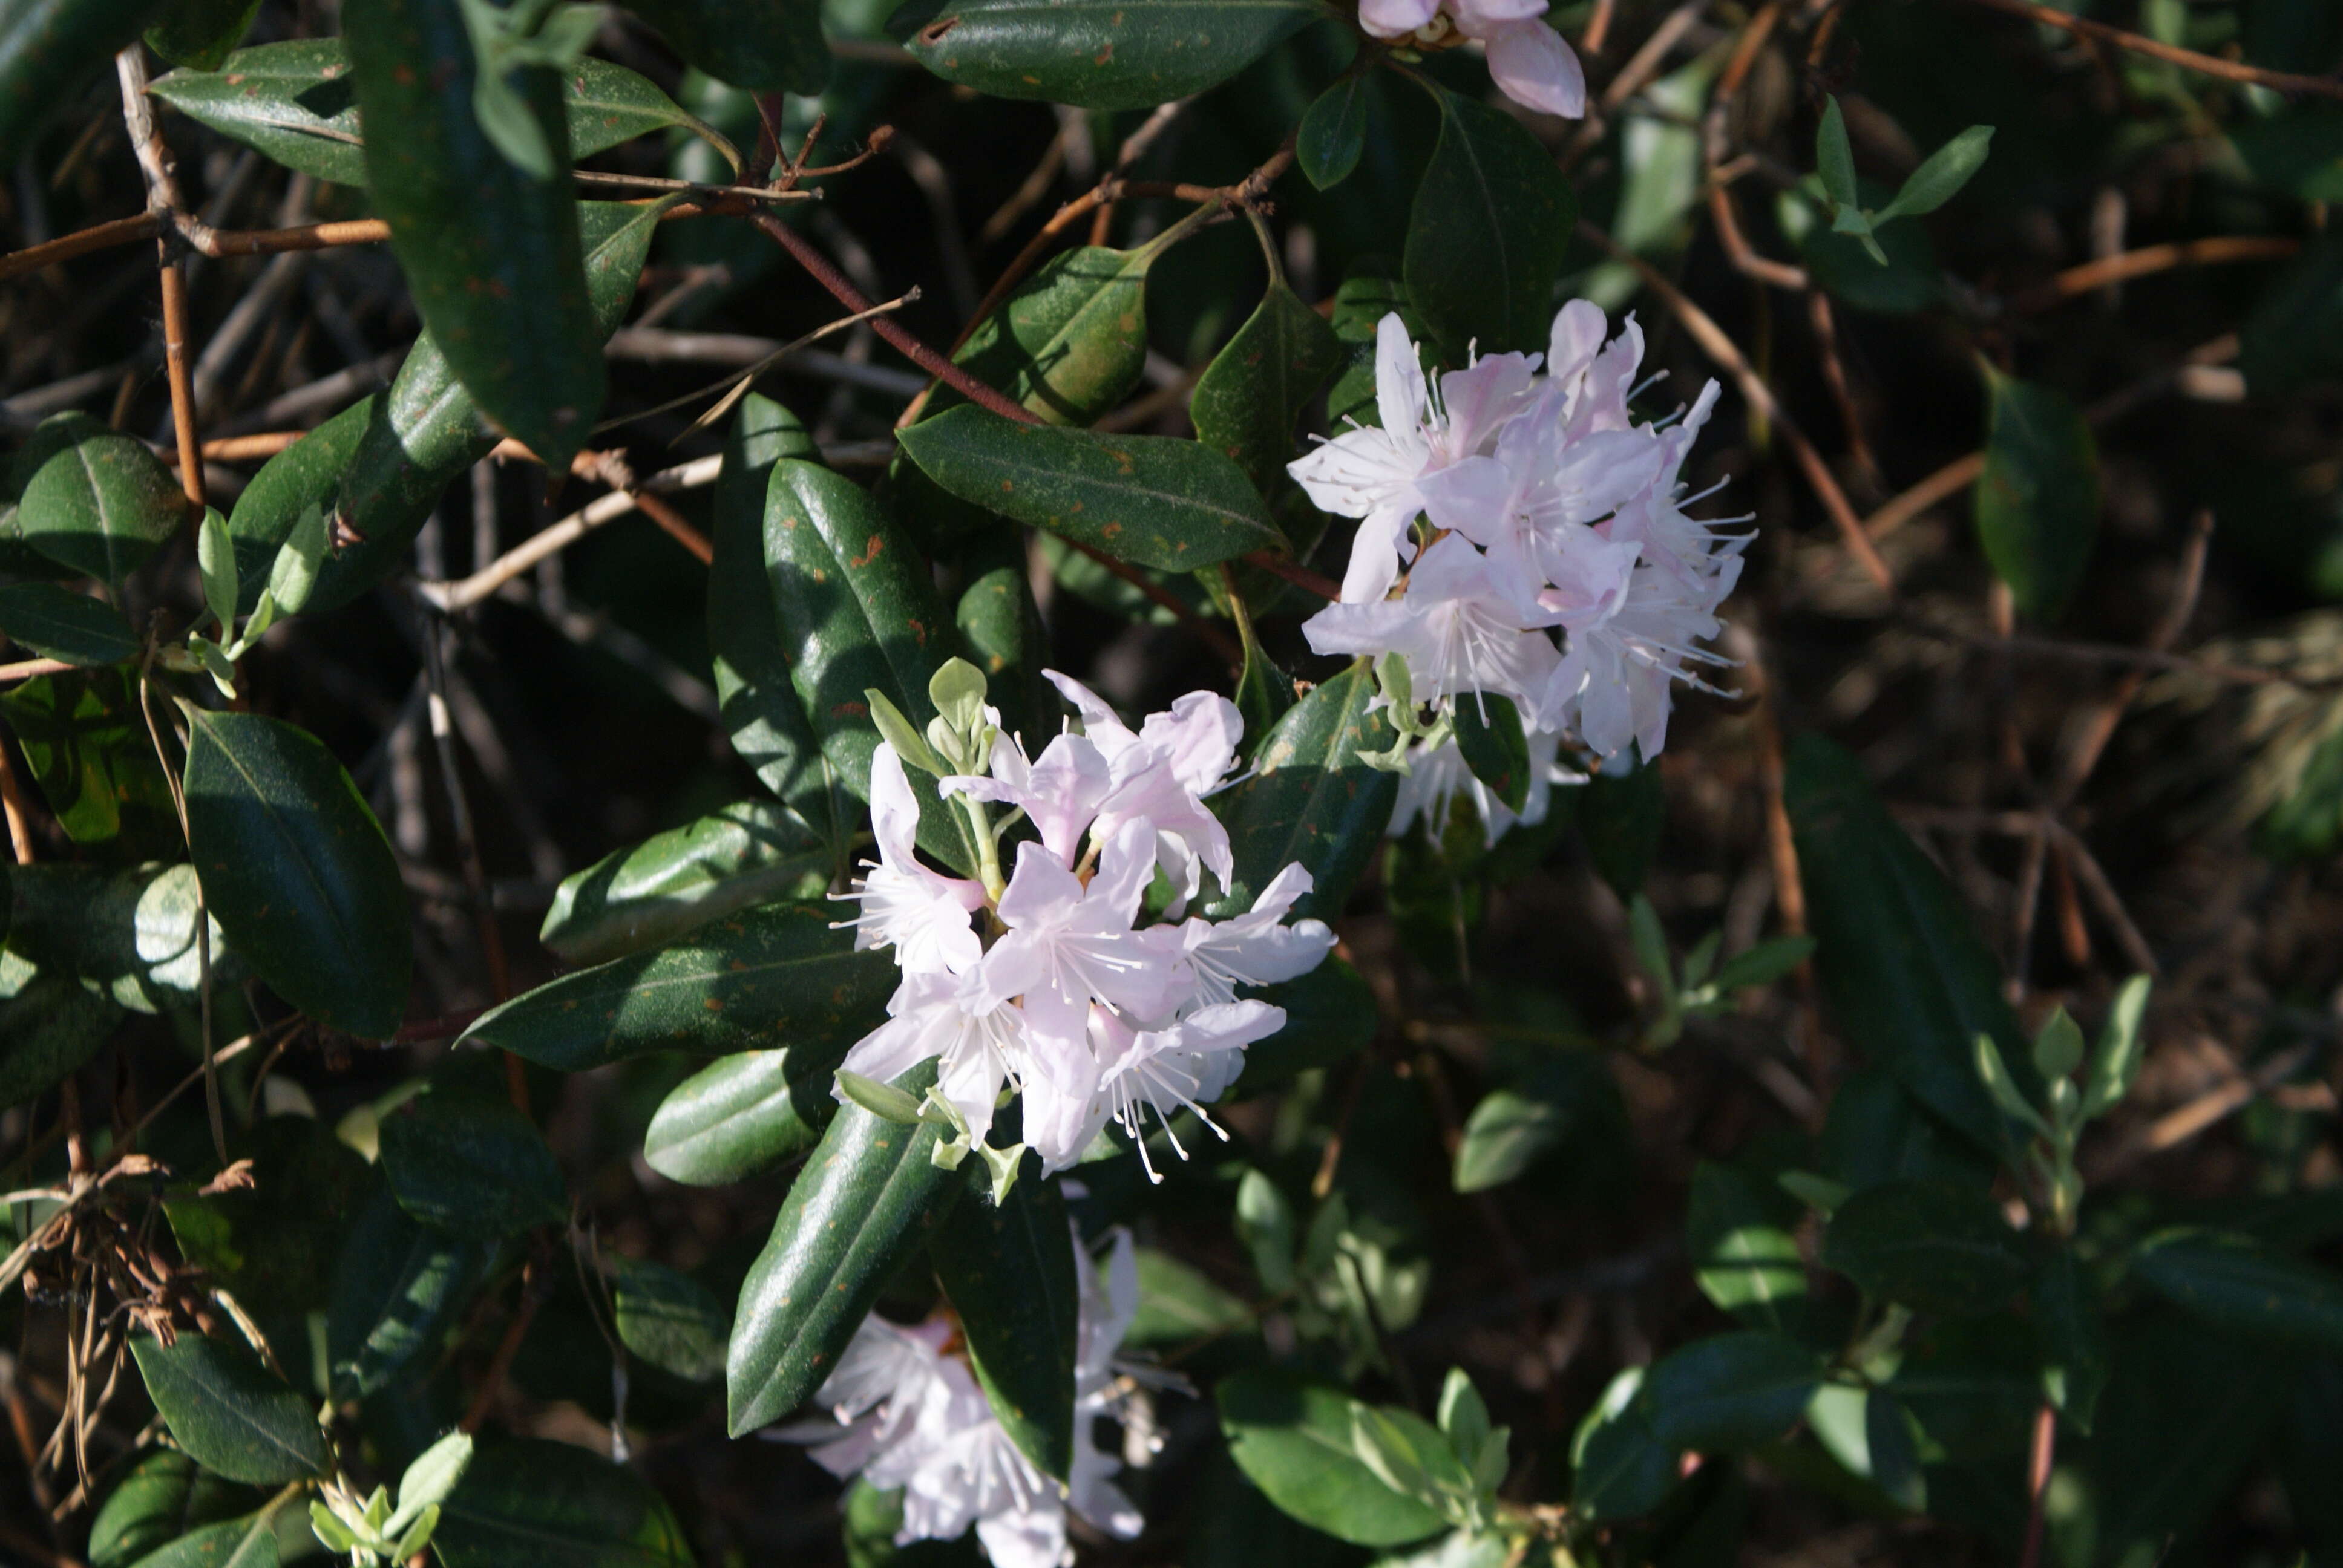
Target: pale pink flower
{"points": [[978, 1044], [1527, 59], [1067, 943], [921, 913], [1458, 634], [1254, 947]]}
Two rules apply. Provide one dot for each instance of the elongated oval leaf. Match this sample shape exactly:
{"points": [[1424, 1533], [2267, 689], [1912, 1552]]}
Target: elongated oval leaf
{"points": [[771, 976], [1255, 389], [1487, 233], [1333, 133], [92, 498], [491, 253], [475, 1167], [555, 1505], [750, 852], [2243, 1285], [127, 935], [2038, 501], [1911, 982], [1152, 500], [1012, 1275], [55, 622], [1002, 628], [869, 1196], [1744, 1255], [247, 1543], [1311, 800], [1934, 1245], [765, 45], [1512, 1129], [399, 1287], [200, 33], [232, 1414], [1619, 1466], [296, 870], [295, 102], [49, 49], [1294, 1440], [742, 1114], [1096, 54], [1072, 339], [93, 761], [1489, 734], [1733, 1391], [164, 1496], [669, 1320]]}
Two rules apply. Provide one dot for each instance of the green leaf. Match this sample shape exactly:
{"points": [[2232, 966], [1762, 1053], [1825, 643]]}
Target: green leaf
{"points": [[92, 498], [1872, 1436], [1909, 979], [1762, 965], [1940, 177], [2244, 1285], [2038, 501], [764, 45], [52, 1023], [2073, 1340], [1619, 1466], [55, 622], [1011, 1274], [164, 1497], [1249, 398], [2121, 1045], [472, 1168], [1835, 158], [1512, 1129], [1294, 1440], [247, 1543], [1002, 628], [1072, 339], [669, 1320], [273, 1244], [1743, 1253], [431, 1477], [1152, 500], [742, 1114], [673, 884], [1933, 1245], [293, 101], [1333, 132], [93, 761], [232, 1414], [555, 1505], [49, 50], [1844, 266], [198, 33], [296, 870], [1265, 1224], [1311, 800], [1330, 1016], [867, 1196], [401, 1286], [765, 976], [128, 935], [1094, 54], [1177, 1304], [491, 255], [1489, 734], [1487, 233], [1729, 1392], [1371, 291]]}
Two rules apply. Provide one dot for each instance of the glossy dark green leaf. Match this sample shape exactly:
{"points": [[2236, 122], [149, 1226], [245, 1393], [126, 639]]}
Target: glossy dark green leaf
{"points": [[93, 761], [1177, 1304], [1311, 800], [1249, 398], [669, 1320], [762, 712], [296, 870], [1933, 1245], [1911, 982], [128, 935], [765, 45], [1072, 339], [1009, 1273], [49, 49], [247, 1543], [1728, 1392], [295, 101], [164, 1496], [491, 254], [1511, 1130], [1877, 1132], [1487, 233], [2074, 1337], [2038, 501], [1002, 628], [555, 1505], [401, 1286], [1293, 1439], [1264, 693], [50, 1025], [55, 622], [1330, 1015], [200, 33], [1619, 1466], [232, 1414], [1489, 735], [1333, 132], [92, 498], [742, 1114], [1091, 53], [1744, 1252], [1152, 500], [867, 1197], [764, 977], [1361, 302], [2243, 1285], [273, 1244], [672, 883], [472, 1168]]}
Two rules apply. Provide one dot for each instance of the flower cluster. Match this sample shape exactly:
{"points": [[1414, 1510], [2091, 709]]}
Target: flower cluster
{"points": [[1527, 59], [906, 1412], [1522, 536], [1065, 992]]}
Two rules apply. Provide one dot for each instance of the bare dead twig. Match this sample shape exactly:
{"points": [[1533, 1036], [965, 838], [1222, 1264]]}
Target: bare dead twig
{"points": [[2204, 64]]}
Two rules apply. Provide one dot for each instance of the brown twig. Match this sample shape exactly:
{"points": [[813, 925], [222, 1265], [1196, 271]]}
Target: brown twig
{"points": [[2038, 1456], [163, 198], [462, 594], [2108, 271], [1598, 27], [1824, 322], [2204, 64], [536, 1286]]}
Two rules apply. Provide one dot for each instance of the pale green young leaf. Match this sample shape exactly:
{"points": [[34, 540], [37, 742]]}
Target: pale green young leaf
{"points": [[1265, 1225], [904, 735], [330, 1530], [2117, 1060], [2059, 1047], [215, 558], [882, 1099], [958, 690], [1940, 178], [1835, 158], [1993, 1074]]}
